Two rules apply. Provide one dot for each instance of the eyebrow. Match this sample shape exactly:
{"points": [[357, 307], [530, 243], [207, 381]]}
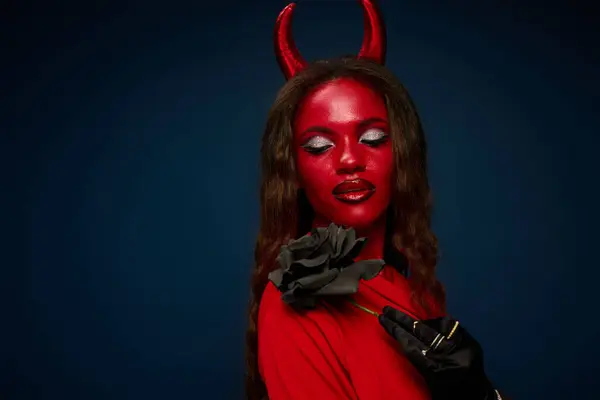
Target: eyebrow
{"points": [[320, 129], [363, 124]]}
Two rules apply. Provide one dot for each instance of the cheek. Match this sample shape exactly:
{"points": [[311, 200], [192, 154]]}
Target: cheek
{"points": [[314, 173], [380, 167]]}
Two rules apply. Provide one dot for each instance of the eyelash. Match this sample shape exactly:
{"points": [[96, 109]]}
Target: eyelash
{"points": [[317, 150], [375, 142], [322, 149]]}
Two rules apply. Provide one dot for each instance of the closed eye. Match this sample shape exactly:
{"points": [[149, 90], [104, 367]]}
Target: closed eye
{"points": [[373, 137], [317, 145]]}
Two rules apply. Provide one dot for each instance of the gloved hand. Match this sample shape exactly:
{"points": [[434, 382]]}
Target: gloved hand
{"points": [[449, 359]]}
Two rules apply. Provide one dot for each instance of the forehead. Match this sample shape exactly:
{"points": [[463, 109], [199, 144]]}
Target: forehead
{"points": [[341, 101]]}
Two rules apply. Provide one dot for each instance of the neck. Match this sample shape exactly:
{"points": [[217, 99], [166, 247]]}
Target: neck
{"points": [[375, 234]]}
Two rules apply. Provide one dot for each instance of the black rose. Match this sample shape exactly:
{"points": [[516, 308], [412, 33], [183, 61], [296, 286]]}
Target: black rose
{"points": [[322, 264]]}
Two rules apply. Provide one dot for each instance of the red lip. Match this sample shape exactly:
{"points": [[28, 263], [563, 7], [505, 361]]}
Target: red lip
{"points": [[354, 191]]}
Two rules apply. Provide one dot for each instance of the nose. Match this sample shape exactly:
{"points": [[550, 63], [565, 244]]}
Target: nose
{"points": [[350, 159]]}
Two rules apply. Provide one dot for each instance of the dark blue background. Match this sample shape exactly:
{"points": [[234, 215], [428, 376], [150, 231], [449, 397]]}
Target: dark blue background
{"points": [[137, 131]]}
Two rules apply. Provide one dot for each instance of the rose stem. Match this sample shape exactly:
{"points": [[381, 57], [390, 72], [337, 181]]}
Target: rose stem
{"points": [[365, 309]]}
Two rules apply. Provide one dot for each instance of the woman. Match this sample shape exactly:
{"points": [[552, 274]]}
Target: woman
{"points": [[343, 144]]}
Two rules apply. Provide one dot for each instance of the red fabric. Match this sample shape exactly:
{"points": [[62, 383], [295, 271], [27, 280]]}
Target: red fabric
{"points": [[338, 352]]}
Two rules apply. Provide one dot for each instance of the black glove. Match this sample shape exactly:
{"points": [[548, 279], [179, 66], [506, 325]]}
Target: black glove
{"points": [[449, 359]]}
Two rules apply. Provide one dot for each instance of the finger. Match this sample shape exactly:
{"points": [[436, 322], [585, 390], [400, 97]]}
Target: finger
{"points": [[406, 339], [405, 320], [451, 331], [443, 346], [422, 331], [450, 327], [413, 348], [427, 334], [447, 326]]}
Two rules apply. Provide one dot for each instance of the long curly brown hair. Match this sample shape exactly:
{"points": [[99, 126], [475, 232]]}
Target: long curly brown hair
{"points": [[285, 213]]}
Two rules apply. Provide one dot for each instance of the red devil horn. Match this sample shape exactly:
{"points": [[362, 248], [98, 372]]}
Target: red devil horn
{"points": [[374, 41], [289, 58]]}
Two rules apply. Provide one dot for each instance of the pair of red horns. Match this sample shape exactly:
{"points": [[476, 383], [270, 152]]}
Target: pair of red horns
{"points": [[289, 58]]}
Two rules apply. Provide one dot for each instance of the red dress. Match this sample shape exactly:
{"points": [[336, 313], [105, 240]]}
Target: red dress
{"points": [[338, 352]]}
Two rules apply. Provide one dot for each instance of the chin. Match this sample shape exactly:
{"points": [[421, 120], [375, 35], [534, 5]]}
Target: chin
{"points": [[357, 216]]}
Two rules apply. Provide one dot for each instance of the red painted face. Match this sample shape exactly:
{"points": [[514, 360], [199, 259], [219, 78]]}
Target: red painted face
{"points": [[343, 153]]}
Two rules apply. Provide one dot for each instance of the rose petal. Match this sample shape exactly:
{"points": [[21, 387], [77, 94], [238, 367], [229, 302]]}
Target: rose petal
{"points": [[317, 281], [322, 264], [342, 237], [322, 234], [344, 284], [351, 235], [370, 268], [299, 303], [348, 278], [332, 236], [325, 248], [301, 242], [303, 247], [285, 258], [321, 260], [333, 231], [364, 268], [286, 281], [353, 249], [350, 245], [276, 277], [353, 271]]}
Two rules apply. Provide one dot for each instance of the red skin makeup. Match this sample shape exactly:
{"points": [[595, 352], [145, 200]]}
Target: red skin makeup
{"points": [[344, 157]]}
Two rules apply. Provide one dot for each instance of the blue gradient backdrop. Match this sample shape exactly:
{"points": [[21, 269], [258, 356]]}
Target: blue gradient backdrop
{"points": [[137, 134]]}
